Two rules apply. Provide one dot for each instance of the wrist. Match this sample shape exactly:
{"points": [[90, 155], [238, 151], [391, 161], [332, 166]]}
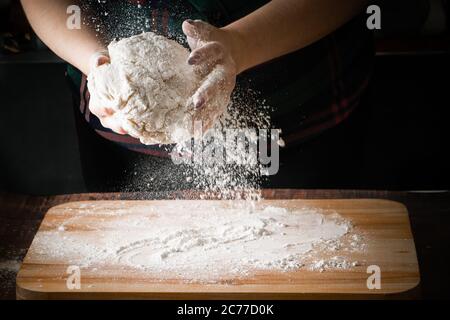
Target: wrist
{"points": [[236, 45]]}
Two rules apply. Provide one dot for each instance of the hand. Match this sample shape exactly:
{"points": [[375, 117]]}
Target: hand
{"points": [[99, 106], [212, 54]]}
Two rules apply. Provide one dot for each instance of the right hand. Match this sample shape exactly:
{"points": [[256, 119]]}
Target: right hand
{"points": [[212, 54], [106, 115]]}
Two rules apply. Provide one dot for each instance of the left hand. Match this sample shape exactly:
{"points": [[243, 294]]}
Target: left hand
{"points": [[212, 53]]}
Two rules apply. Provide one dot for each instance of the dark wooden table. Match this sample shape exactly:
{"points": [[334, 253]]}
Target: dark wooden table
{"points": [[20, 217]]}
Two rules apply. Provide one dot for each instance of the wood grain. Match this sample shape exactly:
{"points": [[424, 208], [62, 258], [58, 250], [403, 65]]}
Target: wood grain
{"points": [[385, 225]]}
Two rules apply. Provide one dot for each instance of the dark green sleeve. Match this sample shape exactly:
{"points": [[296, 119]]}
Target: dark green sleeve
{"points": [[74, 75]]}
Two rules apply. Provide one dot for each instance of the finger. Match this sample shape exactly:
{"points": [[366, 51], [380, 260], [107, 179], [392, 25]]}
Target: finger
{"points": [[101, 112], [191, 35], [216, 81], [99, 59], [209, 54], [197, 29], [193, 43], [113, 124]]}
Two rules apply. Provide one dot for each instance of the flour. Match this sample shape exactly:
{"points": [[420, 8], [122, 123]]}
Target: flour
{"points": [[149, 85], [336, 262], [8, 273], [10, 265], [205, 243], [235, 174]]}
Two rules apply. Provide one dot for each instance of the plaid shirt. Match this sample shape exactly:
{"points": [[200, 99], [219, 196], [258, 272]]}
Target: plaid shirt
{"points": [[310, 90]]}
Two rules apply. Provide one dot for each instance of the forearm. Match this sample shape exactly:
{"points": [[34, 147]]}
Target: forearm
{"points": [[48, 19], [283, 26]]}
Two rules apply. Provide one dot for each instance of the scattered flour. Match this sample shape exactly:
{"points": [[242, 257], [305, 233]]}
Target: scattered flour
{"points": [[234, 171], [334, 263], [204, 243], [8, 273], [10, 265]]}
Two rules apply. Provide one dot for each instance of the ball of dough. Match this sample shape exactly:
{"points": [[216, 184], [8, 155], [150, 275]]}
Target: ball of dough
{"points": [[149, 85]]}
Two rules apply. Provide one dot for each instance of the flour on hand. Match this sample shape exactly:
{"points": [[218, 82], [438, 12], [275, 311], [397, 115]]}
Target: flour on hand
{"points": [[149, 85]]}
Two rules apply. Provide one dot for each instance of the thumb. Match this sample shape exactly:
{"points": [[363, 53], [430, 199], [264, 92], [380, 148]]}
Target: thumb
{"points": [[98, 59]]}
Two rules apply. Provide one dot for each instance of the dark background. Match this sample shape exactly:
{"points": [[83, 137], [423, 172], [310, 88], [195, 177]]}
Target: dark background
{"points": [[405, 133]]}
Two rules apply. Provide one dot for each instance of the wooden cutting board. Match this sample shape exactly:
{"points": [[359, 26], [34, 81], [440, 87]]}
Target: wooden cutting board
{"points": [[385, 225]]}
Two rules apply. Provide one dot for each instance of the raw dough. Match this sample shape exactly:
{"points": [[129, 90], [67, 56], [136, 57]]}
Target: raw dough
{"points": [[149, 86]]}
